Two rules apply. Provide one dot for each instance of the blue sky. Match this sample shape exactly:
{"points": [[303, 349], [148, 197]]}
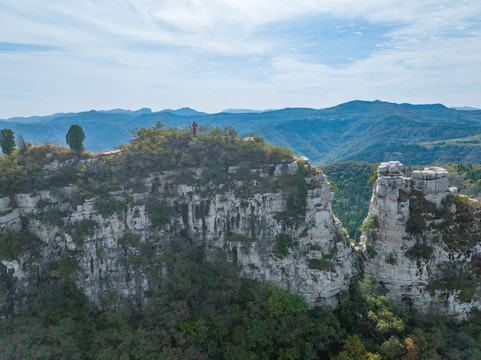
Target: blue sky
{"points": [[60, 56]]}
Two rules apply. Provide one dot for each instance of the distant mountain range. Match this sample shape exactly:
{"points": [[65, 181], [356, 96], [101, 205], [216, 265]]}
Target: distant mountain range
{"points": [[467, 108], [358, 130]]}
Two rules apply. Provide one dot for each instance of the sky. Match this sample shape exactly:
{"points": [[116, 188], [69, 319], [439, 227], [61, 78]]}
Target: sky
{"points": [[210, 55]]}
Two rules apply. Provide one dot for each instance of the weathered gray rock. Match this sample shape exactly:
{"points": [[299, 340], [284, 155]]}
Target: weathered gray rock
{"points": [[410, 264], [245, 227], [391, 167]]}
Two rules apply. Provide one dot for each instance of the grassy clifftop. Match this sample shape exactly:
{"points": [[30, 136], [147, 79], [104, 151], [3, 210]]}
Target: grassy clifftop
{"points": [[151, 150]]}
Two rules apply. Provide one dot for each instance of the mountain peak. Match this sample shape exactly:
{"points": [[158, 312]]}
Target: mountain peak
{"points": [[185, 111]]}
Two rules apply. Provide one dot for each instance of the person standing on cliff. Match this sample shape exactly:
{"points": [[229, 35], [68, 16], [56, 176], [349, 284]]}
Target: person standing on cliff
{"points": [[194, 128]]}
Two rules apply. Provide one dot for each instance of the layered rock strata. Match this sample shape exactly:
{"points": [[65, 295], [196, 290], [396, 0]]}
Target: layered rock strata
{"points": [[123, 253], [422, 243]]}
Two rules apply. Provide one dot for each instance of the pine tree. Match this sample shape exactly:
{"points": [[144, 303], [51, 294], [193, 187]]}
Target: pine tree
{"points": [[7, 141], [75, 137]]}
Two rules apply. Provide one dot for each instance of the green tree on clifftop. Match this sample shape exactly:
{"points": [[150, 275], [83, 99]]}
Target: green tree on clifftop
{"points": [[7, 141], [75, 137]]}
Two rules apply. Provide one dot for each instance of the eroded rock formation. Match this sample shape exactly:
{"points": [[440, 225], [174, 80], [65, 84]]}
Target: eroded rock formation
{"points": [[422, 242], [116, 244]]}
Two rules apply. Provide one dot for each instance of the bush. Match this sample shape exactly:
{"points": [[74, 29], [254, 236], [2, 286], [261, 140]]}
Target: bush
{"points": [[371, 253], [420, 251], [64, 267], [53, 217], [370, 223], [109, 206], [83, 229], [282, 243], [321, 264], [391, 259], [160, 213], [283, 303], [14, 244], [129, 239]]}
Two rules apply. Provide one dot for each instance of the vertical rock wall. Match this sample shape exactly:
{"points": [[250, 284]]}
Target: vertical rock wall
{"points": [[415, 243], [123, 254]]}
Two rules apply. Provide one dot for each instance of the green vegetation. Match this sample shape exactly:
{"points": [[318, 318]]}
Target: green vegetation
{"points": [[109, 206], [64, 267], [82, 230], [296, 200], [172, 148], [204, 310], [13, 244], [53, 217], [7, 141], [370, 223], [371, 253], [253, 224], [129, 239], [321, 264], [391, 259], [456, 227], [420, 251], [418, 206], [282, 244], [152, 150], [373, 178], [75, 137], [301, 191], [238, 237], [351, 201], [455, 278], [282, 303], [160, 213]]}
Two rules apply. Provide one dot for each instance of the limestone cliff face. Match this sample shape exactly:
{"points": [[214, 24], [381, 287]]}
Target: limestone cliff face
{"points": [[122, 252], [422, 242]]}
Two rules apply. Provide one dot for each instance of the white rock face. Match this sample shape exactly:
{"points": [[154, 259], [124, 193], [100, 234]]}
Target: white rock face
{"points": [[244, 226], [408, 253]]}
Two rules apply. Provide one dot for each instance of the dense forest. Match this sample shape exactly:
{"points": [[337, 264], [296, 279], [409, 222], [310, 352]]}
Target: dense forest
{"points": [[203, 310], [352, 193]]}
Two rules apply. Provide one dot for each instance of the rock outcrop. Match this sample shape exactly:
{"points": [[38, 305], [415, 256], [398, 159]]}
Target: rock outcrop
{"points": [[117, 244], [421, 242]]}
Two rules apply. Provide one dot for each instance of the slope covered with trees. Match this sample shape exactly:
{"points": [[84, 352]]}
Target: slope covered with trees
{"points": [[352, 193], [205, 311]]}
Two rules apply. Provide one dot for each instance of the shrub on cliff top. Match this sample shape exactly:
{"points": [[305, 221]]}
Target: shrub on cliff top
{"points": [[170, 148]]}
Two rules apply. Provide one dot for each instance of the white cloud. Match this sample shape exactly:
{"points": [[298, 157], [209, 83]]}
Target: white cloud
{"points": [[214, 54]]}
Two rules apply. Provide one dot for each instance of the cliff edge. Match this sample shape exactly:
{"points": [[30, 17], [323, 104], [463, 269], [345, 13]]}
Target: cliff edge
{"points": [[274, 221]]}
